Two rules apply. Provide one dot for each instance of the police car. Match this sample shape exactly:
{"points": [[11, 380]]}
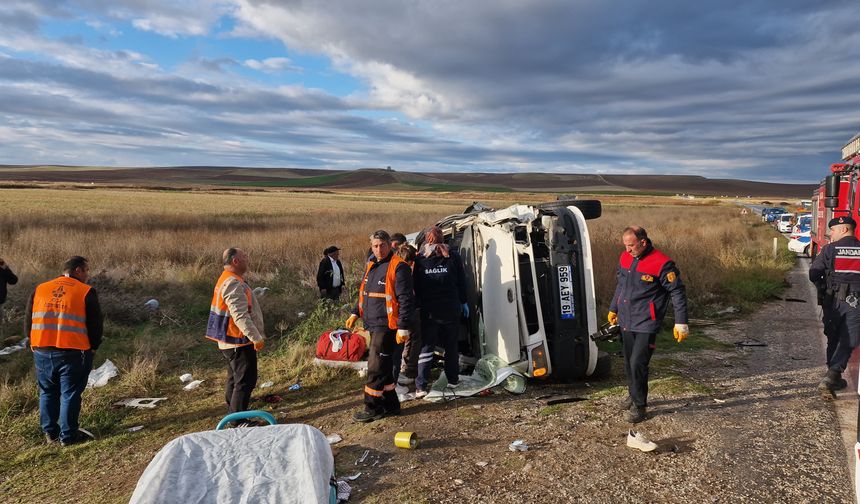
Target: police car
{"points": [[530, 286]]}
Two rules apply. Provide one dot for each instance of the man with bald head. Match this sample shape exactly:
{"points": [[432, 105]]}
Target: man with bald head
{"points": [[236, 323], [647, 278]]}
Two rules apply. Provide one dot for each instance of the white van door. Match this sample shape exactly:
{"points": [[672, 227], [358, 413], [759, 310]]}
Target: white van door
{"points": [[499, 294]]}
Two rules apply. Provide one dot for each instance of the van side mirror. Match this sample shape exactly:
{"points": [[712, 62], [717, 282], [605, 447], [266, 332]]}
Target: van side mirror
{"points": [[831, 191]]}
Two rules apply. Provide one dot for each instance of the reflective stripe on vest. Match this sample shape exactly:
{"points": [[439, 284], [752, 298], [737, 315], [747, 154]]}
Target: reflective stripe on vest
{"points": [[60, 315], [392, 307], [220, 326]]}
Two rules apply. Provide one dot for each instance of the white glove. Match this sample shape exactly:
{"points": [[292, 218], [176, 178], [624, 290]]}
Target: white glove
{"points": [[681, 332]]}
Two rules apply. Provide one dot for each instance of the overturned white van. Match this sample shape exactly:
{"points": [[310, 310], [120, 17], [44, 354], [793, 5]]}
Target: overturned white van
{"points": [[530, 286]]}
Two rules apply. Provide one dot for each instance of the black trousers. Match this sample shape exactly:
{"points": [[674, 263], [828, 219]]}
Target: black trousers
{"points": [[241, 377], [438, 332], [379, 394], [638, 349], [842, 329], [333, 293]]}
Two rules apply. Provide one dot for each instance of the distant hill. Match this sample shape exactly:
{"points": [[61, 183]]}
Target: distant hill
{"points": [[384, 179]]}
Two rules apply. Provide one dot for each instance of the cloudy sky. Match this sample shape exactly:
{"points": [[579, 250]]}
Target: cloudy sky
{"points": [[754, 89]]}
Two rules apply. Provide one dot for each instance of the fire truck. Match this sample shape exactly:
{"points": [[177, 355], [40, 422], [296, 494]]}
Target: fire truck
{"points": [[838, 194]]}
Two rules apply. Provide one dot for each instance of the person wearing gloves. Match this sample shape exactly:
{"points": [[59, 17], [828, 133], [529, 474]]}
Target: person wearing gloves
{"points": [[236, 323], [646, 280], [386, 303], [440, 286]]}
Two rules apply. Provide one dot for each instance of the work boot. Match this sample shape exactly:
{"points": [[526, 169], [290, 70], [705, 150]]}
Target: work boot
{"points": [[365, 416], [638, 441], [625, 403], [636, 414], [77, 438], [832, 381]]}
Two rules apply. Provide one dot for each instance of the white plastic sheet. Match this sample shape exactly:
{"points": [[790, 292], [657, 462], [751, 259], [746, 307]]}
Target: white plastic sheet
{"points": [[15, 348], [99, 377], [274, 464], [490, 371]]}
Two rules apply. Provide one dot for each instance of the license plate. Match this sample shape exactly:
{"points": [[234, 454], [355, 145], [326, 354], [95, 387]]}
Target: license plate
{"points": [[565, 291]]}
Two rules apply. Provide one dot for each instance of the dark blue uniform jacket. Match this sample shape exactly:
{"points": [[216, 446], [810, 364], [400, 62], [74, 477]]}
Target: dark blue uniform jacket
{"points": [[842, 260], [375, 313], [440, 285], [645, 284]]}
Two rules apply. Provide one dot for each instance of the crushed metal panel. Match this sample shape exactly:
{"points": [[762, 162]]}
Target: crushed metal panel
{"points": [[499, 298]]}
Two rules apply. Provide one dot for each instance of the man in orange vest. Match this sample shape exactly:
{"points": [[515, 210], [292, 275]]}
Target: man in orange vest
{"points": [[386, 303], [65, 324], [236, 323]]}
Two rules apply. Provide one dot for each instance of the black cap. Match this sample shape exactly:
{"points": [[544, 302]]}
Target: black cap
{"points": [[329, 250], [842, 219]]}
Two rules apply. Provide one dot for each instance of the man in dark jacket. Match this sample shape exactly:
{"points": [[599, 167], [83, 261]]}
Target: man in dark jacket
{"points": [[440, 286], [646, 280], [64, 323], [386, 303], [6, 277], [330, 279], [835, 271]]}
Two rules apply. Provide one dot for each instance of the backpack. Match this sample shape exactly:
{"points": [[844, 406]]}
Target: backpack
{"points": [[341, 345]]}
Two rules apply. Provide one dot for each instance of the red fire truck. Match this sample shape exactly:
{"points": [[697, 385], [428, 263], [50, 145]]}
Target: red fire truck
{"points": [[838, 194]]}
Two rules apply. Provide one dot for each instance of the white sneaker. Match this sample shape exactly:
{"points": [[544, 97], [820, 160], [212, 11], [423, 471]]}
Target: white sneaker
{"points": [[421, 394], [452, 386], [640, 442], [402, 379]]}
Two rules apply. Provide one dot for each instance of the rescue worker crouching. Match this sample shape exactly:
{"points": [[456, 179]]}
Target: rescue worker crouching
{"points": [[646, 280], [236, 324], [386, 303], [835, 271]]}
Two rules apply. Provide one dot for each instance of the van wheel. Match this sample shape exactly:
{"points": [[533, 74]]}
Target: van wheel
{"points": [[604, 365], [591, 209]]}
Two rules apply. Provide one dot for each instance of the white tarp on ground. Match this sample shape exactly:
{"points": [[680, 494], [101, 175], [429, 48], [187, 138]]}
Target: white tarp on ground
{"points": [[490, 371], [99, 377], [273, 464]]}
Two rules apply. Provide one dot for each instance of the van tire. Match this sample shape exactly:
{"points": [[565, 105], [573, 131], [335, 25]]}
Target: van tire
{"points": [[604, 365], [591, 209]]}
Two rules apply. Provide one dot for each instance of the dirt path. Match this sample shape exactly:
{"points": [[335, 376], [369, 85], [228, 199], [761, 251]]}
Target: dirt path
{"points": [[744, 425]]}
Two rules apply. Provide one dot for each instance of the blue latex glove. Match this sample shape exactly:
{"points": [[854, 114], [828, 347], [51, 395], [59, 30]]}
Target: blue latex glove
{"points": [[465, 310]]}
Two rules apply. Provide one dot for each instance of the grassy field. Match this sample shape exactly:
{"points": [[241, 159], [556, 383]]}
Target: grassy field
{"points": [[166, 245]]}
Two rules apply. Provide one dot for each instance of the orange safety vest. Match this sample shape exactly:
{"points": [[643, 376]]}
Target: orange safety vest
{"points": [[60, 315], [392, 307], [221, 326]]}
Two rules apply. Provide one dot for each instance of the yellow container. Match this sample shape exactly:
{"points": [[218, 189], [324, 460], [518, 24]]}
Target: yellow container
{"points": [[406, 440]]}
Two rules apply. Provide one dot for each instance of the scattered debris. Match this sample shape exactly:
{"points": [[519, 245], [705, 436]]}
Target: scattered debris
{"points": [[186, 378], [15, 348], [267, 384], [729, 311], [799, 358], [334, 439], [362, 373], [719, 401], [752, 342], [518, 445], [560, 399], [638, 441], [99, 377], [140, 402], [88, 433], [151, 305], [343, 490], [193, 385], [353, 477], [301, 314], [458, 482], [363, 457], [135, 428], [272, 398], [482, 464], [295, 386], [261, 291]]}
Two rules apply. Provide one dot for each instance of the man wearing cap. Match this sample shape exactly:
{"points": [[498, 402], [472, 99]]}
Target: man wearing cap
{"points": [[330, 274], [836, 272]]}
